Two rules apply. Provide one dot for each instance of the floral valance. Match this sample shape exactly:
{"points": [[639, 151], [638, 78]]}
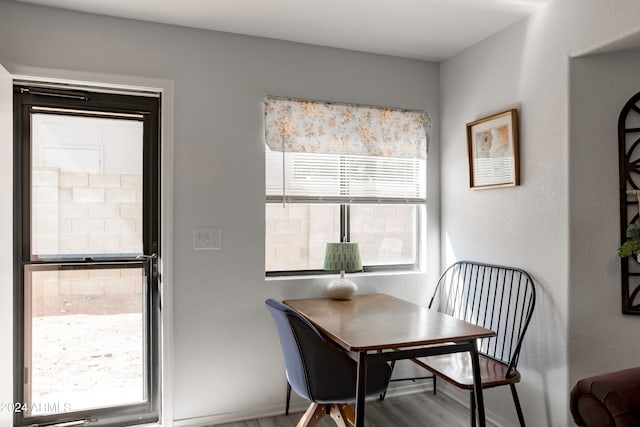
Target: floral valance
{"points": [[298, 125]]}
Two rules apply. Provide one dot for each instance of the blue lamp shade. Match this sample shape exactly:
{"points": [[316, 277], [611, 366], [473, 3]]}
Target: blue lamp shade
{"points": [[342, 257]]}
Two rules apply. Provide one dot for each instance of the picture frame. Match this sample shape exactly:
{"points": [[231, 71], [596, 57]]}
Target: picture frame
{"points": [[493, 151]]}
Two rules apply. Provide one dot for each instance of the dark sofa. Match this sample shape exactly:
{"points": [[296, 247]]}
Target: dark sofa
{"points": [[607, 400]]}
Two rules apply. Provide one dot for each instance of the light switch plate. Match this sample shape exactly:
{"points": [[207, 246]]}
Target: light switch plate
{"points": [[207, 238]]}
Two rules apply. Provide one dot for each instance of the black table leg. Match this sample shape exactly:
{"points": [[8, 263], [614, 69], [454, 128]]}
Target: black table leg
{"points": [[361, 388], [477, 384]]}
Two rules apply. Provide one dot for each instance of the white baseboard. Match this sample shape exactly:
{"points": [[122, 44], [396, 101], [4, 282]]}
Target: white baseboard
{"points": [[231, 417], [297, 405], [461, 397]]}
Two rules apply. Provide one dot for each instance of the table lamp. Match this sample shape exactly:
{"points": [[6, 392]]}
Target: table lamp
{"points": [[342, 257]]}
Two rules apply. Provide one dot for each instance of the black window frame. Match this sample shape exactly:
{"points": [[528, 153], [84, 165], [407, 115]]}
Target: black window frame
{"points": [[89, 103]]}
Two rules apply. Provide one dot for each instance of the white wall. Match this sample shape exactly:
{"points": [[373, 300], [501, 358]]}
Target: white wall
{"points": [[526, 66], [226, 363], [600, 86]]}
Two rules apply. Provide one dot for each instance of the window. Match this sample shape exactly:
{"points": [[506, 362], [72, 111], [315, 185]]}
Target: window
{"points": [[340, 172]]}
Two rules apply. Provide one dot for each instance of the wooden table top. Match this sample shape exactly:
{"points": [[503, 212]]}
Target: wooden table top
{"points": [[380, 322]]}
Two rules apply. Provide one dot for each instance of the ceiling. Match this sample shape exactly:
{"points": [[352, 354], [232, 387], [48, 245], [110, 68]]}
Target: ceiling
{"points": [[431, 30]]}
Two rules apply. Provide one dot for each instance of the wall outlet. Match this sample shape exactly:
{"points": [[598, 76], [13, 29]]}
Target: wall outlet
{"points": [[207, 238]]}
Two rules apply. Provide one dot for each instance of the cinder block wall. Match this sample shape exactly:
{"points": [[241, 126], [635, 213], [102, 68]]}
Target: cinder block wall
{"points": [[84, 214], [297, 234]]}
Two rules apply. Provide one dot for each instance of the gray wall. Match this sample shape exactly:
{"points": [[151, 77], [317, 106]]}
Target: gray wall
{"points": [[543, 226], [524, 226], [226, 360], [533, 226]]}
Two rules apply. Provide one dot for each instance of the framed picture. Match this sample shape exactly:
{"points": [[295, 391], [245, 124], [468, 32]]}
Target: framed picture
{"points": [[493, 151]]}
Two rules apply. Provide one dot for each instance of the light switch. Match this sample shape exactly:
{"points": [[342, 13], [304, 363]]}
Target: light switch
{"points": [[207, 238]]}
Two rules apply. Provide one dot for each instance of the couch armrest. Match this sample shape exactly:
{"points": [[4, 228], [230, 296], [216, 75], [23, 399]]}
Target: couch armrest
{"points": [[607, 400]]}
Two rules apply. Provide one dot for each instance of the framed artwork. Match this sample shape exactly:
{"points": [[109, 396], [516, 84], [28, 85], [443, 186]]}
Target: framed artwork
{"points": [[493, 151]]}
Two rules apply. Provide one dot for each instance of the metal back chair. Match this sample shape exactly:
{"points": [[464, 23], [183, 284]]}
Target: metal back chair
{"points": [[495, 297], [318, 370]]}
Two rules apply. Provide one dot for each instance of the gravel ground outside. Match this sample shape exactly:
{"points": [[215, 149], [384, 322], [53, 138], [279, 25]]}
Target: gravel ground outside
{"points": [[83, 361]]}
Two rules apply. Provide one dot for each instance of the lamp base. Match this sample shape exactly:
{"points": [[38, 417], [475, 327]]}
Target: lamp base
{"points": [[341, 289]]}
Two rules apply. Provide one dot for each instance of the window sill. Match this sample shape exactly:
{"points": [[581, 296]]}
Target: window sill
{"points": [[374, 273]]}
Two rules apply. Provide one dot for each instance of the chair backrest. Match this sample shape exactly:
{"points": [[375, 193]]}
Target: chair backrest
{"points": [[316, 369], [492, 296]]}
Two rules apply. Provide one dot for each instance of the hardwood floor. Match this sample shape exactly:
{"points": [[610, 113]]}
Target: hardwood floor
{"points": [[415, 410]]}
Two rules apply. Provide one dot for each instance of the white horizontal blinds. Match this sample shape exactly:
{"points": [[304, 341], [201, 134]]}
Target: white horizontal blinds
{"points": [[325, 152], [343, 178]]}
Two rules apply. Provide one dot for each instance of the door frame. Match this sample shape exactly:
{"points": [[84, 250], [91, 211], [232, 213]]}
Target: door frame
{"points": [[117, 83], [6, 245]]}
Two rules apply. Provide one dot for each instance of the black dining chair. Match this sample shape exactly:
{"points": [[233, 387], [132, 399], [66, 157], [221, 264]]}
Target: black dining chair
{"points": [[319, 371]]}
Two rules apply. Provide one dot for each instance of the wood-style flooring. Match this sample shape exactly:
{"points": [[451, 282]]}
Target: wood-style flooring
{"points": [[414, 410]]}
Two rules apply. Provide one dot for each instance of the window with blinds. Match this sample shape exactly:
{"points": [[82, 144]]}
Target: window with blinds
{"points": [[342, 172]]}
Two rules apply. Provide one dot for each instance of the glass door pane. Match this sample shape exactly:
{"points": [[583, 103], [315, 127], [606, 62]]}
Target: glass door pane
{"points": [[86, 329], [86, 186]]}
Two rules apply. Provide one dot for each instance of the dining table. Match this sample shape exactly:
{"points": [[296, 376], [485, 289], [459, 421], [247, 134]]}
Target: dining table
{"points": [[382, 327]]}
